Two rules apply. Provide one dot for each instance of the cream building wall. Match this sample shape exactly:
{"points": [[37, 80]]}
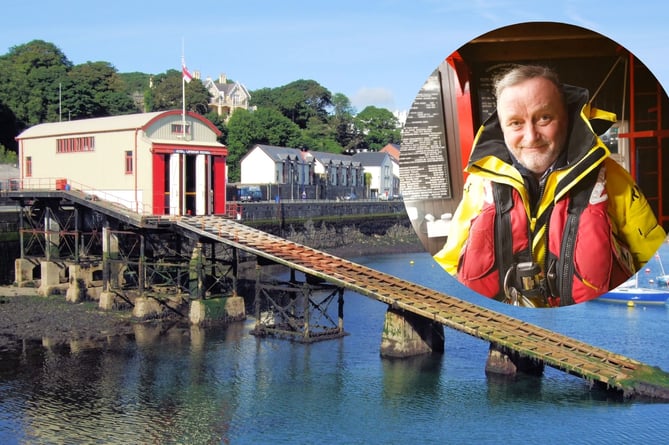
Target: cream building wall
{"points": [[102, 170]]}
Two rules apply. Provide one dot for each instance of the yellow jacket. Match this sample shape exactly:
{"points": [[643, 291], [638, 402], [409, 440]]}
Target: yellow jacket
{"points": [[633, 222]]}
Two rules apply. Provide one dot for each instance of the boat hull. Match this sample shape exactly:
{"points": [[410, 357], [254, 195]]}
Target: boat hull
{"points": [[636, 295]]}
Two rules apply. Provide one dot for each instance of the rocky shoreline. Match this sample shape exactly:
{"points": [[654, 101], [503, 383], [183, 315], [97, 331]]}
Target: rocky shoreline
{"points": [[26, 316]]}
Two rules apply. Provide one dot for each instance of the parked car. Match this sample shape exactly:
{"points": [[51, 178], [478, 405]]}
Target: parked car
{"points": [[249, 194]]}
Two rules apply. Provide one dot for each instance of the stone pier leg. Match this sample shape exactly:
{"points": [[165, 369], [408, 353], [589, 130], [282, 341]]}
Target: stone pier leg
{"points": [[217, 309], [23, 272], [50, 278], [507, 362], [76, 292], [406, 335], [146, 307]]}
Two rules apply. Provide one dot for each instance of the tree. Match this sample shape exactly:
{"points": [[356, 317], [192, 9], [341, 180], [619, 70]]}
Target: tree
{"points": [[30, 77], [263, 126], [299, 101], [95, 89], [7, 156], [137, 85], [341, 121], [379, 127], [8, 128], [167, 93]]}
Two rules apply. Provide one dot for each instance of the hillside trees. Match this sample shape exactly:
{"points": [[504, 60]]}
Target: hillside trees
{"points": [[30, 75], [379, 127], [94, 89], [300, 101], [38, 83], [263, 126], [167, 94]]}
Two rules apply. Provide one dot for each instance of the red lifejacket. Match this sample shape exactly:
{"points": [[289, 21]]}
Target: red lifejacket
{"points": [[583, 260]]}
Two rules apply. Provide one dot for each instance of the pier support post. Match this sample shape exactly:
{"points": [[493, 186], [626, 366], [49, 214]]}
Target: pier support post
{"points": [[76, 292], [110, 268], [24, 272], [406, 335], [507, 362], [50, 278], [224, 309]]}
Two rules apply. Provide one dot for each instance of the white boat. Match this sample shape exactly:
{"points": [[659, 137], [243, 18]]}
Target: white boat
{"points": [[630, 292]]}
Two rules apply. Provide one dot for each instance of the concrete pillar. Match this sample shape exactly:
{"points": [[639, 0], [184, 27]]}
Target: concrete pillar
{"points": [[50, 280], [76, 292], [146, 307], [507, 362], [107, 300], [23, 272], [217, 310], [406, 335]]}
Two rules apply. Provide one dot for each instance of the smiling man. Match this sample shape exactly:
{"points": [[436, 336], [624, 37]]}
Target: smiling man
{"points": [[547, 218]]}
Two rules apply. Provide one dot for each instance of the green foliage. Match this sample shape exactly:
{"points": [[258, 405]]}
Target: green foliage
{"points": [[7, 156], [30, 76], [264, 126], [167, 93], [379, 127], [39, 84], [95, 89], [8, 128], [299, 101]]}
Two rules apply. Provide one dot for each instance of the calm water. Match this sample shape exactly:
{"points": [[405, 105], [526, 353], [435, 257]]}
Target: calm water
{"points": [[197, 386]]}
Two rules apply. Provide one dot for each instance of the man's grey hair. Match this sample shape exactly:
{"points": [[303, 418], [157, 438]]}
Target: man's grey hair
{"points": [[521, 73]]}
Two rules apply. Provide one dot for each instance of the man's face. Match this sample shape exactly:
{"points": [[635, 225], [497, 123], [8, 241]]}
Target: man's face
{"points": [[534, 122]]}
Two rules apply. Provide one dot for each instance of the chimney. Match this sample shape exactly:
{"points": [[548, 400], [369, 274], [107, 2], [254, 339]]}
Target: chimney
{"points": [[222, 78]]}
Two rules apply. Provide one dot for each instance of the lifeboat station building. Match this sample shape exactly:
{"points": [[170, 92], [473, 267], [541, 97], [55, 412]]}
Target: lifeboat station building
{"points": [[160, 163]]}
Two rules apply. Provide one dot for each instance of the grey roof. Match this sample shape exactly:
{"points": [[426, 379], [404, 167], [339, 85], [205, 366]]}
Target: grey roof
{"points": [[370, 158], [281, 153], [228, 88], [325, 158]]}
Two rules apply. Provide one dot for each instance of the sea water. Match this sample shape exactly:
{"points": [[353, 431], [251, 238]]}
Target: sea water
{"points": [[176, 385]]}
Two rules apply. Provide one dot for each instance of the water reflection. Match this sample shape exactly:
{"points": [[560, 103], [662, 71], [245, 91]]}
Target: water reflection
{"points": [[132, 388]]}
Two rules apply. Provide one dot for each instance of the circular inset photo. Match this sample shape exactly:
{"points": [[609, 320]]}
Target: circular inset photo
{"points": [[531, 166]]}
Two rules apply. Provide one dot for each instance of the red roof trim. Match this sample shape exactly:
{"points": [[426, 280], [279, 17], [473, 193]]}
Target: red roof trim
{"points": [[199, 117]]}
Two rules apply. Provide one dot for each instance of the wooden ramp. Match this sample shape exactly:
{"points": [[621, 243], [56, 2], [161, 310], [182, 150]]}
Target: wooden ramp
{"points": [[594, 364]]}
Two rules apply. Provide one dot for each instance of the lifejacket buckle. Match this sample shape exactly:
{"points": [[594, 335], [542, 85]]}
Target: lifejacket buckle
{"points": [[523, 285]]}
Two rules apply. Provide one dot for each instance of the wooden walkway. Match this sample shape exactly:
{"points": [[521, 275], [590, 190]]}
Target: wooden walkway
{"points": [[630, 376], [594, 364]]}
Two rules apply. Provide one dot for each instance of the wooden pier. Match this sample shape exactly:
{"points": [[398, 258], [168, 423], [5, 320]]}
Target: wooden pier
{"points": [[539, 345]]}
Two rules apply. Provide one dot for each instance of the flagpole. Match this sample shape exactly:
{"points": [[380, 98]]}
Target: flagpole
{"points": [[183, 91]]}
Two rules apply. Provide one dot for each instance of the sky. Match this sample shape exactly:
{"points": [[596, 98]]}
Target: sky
{"points": [[376, 52]]}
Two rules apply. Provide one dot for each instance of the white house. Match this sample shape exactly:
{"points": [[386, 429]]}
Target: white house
{"points": [[158, 163], [334, 174], [380, 166]]}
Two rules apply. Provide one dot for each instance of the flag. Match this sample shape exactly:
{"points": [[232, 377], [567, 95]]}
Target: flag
{"points": [[186, 75]]}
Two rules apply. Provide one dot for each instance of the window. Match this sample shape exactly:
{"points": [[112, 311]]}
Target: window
{"points": [[128, 162], [76, 144], [179, 129], [29, 165]]}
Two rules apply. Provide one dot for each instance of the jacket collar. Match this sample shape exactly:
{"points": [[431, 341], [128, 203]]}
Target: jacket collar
{"points": [[582, 145]]}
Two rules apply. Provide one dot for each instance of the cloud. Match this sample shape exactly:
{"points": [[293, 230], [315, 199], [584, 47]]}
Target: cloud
{"points": [[377, 96]]}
